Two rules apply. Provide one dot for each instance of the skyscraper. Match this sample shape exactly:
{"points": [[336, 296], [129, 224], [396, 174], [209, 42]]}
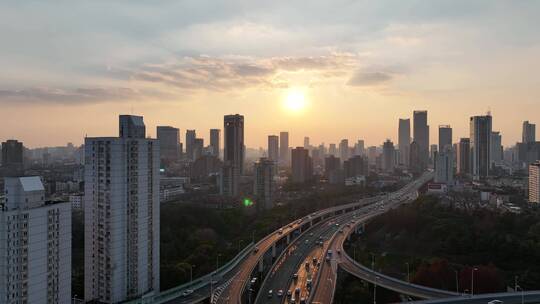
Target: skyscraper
{"points": [[214, 142], [332, 150], [444, 166], [264, 184], [445, 137], [356, 166], [496, 148], [388, 156], [404, 141], [306, 142], [480, 128], [190, 141], [233, 157], [359, 148], [421, 137], [534, 182], [332, 170], [121, 215], [529, 132], [284, 148], [273, 148], [12, 158], [344, 150], [169, 140], [464, 156], [35, 247], [198, 148], [302, 165]]}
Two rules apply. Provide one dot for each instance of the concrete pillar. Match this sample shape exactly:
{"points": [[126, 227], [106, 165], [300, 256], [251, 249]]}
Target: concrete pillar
{"points": [[274, 250], [348, 237], [261, 265], [289, 238]]}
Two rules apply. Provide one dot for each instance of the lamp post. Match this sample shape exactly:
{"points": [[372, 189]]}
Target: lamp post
{"points": [[457, 281], [191, 273], [375, 290], [408, 272], [472, 280]]}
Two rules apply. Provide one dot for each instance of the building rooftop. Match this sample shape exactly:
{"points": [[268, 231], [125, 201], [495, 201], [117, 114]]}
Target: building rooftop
{"points": [[31, 183]]}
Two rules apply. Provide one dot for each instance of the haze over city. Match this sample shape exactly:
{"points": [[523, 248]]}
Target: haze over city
{"points": [[355, 66]]}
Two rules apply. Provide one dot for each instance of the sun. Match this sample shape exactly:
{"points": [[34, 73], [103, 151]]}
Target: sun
{"points": [[295, 100]]}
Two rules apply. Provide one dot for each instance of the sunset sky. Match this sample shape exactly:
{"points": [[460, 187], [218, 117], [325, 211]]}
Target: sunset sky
{"points": [[325, 69]]}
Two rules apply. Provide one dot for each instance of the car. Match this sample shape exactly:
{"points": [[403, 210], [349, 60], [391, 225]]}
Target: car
{"points": [[311, 234], [302, 300], [280, 231], [338, 251], [337, 224], [314, 261], [307, 266], [292, 301], [187, 292], [340, 230], [289, 293], [256, 249], [270, 293], [328, 258], [297, 290], [495, 302], [253, 281], [295, 276], [308, 282], [279, 293]]}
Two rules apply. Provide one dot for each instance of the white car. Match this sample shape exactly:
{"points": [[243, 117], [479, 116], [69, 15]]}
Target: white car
{"points": [[187, 292]]}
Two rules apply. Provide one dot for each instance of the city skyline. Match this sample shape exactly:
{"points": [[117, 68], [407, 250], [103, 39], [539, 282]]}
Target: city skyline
{"points": [[353, 72]]}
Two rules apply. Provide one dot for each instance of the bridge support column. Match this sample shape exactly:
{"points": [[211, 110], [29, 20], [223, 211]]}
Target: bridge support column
{"points": [[288, 239], [348, 237], [274, 250], [261, 265]]}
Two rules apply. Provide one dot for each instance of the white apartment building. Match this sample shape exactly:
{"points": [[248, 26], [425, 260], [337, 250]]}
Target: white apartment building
{"points": [[534, 182], [35, 245], [121, 211]]}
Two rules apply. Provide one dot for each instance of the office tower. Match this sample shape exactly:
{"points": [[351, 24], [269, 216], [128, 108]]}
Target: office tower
{"points": [[233, 157], [198, 148], [432, 151], [496, 148], [302, 165], [264, 184], [204, 167], [421, 136], [121, 215], [372, 155], [356, 166], [445, 137], [388, 155], [529, 132], [131, 126], [306, 142], [284, 148], [444, 166], [404, 141], [332, 150], [332, 170], [534, 182], [317, 156], [214, 142], [464, 156], [35, 246], [169, 139], [416, 165], [359, 148], [12, 158], [344, 150], [190, 140], [273, 148], [480, 127]]}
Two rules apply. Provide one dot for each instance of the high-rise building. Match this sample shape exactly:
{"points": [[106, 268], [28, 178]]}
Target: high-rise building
{"points": [[388, 156], [264, 184], [131, 126], [344, 150], [432, 151], [12, 158], [302, 165], [169, 140], [233, 156], [284, 148], [444, 166], [356, 166], [529, 132], [214, 142], [121, 215], [464, 156], [273, 148], [496, 148], [35, 247], [421, 137], [534, 182], [332, 150], [404, 141], [372, 155], [416, 165], [198, 148], [359, 148], [332, 170], [480, 128], [306, 142], [445, 137], [190, 141]]}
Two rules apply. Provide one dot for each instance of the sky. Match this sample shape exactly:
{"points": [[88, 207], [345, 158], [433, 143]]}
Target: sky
{"points": [[69, 68]]}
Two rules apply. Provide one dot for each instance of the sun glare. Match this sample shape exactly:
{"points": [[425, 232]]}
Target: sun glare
{"points": [[295, 101]]}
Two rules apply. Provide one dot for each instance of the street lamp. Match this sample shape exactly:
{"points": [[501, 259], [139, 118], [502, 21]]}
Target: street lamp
{"points": [[375, 290], [408, 272], [191, 273], [217, 262], [472, 280], [457, 281]]}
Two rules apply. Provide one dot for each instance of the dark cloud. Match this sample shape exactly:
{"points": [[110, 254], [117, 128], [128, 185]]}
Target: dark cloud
{"points": [[214, 73], [68, 96], [362, 78]]}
